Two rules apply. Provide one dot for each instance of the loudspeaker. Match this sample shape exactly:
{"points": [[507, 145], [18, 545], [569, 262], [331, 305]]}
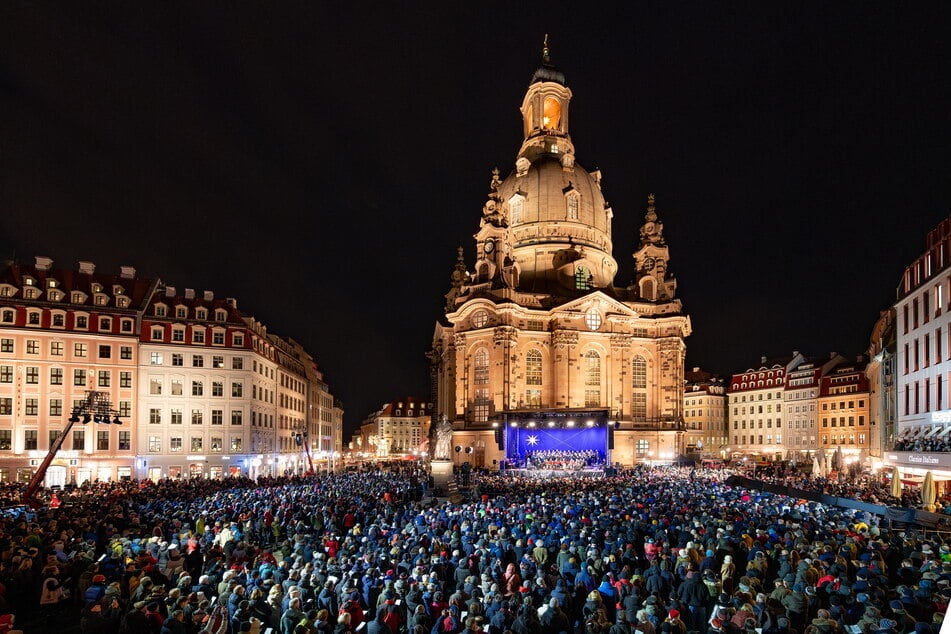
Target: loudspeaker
{"points": [[500, 438], [610, 438]]}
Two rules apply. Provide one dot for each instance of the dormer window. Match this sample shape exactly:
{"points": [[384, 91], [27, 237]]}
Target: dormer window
{"points": [[122, 302], [160, 310], [201, 313], [50, 283], [7, 291], [28, 281], [181, 312], [117, 289], [77, 297], [101, 300], [221, 315], [55, 295], [31, 293]]}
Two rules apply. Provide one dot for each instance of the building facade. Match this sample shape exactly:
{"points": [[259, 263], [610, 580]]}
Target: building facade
{"points": [[193, 387], [704, 413], [881, 384], [922, 363], [800, 403], [756, 404], [63, 333], [844, 410], [199, 389], [399, 429], [537, 327]]}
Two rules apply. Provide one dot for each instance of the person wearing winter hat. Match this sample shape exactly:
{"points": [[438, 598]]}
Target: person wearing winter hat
{"points": [[887, 626]]}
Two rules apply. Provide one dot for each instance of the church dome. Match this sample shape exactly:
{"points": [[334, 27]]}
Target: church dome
{"points": [[559, 227]]}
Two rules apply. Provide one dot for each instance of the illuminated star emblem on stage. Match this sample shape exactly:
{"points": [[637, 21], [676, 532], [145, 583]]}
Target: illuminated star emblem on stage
{"points": [[532, 440]]}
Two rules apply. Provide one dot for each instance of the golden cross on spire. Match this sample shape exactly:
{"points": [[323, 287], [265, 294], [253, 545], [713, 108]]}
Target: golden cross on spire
{"points": [[545, 52]]}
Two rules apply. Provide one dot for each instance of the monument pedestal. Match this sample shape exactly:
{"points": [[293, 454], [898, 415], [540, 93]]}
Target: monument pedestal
{"points": [[443, 478]]}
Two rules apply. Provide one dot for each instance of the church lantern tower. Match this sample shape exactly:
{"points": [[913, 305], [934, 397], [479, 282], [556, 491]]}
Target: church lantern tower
{"points": [[536, 332]]}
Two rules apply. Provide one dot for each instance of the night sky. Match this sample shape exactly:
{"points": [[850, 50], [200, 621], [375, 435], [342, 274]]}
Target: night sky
{"points": [[321, 162]]}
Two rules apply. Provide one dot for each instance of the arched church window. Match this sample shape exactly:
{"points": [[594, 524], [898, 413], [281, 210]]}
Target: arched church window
{"points": [[481, 368], [639, 385], [551, 114], [533, 367], [639, 372], [515, 208], [572, 201], [582, 278], [592, 369], [592, 379]]}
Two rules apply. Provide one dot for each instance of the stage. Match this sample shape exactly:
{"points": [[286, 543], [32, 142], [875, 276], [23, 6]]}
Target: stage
{"points": [[540, 473]]}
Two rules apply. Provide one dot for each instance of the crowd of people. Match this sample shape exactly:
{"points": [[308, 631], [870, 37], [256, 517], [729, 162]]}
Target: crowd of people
{"points": [[923, 445], [652, 550], [563, 459]]}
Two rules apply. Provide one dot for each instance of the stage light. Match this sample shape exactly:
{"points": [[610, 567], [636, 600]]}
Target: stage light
{"points": [[116, 421], [571, 423], [87, 418], [551, 423], [74, 418], [531, 423], [514, 423], [589, 423]]}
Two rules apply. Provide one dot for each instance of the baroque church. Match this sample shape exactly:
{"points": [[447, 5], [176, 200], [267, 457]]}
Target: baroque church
{"points": [[538, 342]]}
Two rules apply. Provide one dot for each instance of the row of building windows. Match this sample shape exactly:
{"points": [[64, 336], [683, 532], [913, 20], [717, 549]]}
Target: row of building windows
{"points": [[197, 360], [58, 320], [196, 444], [181, 312], [157, 387], [176, 416], [198, 336], [80, 376], [842, 421], [31, 440], [31, 407], [918, 353], [918, 397], [57, 349]]}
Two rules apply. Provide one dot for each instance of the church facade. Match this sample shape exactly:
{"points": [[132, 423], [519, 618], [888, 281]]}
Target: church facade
{"points": [[536, 334]]}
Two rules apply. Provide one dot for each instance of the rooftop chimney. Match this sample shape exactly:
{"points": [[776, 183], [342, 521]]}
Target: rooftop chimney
{"points": [[762, 359], [127, 272], [87, 268], [208, 295], [232, 302], [189, 293], [169, 291], [43, 263]]}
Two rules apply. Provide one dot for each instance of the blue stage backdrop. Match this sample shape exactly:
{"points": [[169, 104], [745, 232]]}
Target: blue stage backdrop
{"points": [[522, 440]]}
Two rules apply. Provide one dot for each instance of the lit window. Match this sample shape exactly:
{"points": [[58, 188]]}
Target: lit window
{"points": [[572, 201], [592, 319], [583, 278]]}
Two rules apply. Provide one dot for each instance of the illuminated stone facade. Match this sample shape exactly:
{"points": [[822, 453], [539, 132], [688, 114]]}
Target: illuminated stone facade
{"points": [[538, 325], [200, 389]]}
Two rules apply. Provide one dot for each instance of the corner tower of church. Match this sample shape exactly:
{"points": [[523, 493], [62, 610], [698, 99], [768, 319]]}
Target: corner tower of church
{"points": [[536, 332]]}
